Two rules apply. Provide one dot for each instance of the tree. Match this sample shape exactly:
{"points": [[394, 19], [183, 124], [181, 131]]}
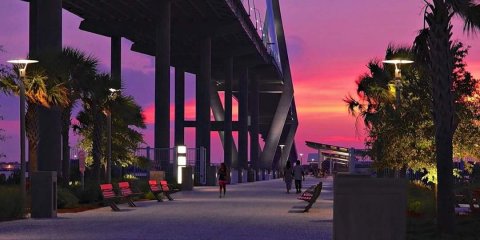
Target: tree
{"points": [[126, 118], [126, 114], [406, 135], [440, 68], [76, 67], [42, 88], [97, 102]]}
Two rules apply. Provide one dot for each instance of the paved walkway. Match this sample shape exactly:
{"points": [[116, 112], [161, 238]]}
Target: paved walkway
{"points": [[259, 210]]}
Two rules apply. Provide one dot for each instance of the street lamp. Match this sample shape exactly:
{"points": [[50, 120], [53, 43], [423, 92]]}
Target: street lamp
{"points": [[301, 158], [398, 77], [398, 83], [22, 64], [280, 165], [111, 96]]}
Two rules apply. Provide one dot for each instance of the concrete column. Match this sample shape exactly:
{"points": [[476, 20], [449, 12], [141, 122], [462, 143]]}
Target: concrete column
{"points": [[179, 106], [116, 61], [227, 153], [162, 78], [204, 77], [243, 119], [46, 38], [254, 127]]}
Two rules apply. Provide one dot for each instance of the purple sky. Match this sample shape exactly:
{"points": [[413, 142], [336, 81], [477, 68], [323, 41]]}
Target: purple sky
{"points": [[329, 44]]}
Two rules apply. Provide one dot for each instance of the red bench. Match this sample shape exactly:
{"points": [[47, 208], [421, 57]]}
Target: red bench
{"points": [[127, 193], [311, 196], [166, 189], [155, 189], [109, 196]]}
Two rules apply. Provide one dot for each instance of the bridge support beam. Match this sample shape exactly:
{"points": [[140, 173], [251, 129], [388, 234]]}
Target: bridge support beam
{"points": [[116, 60], [46, 39], [179, 106], [202, 133], [228, 144], [243, 119], [254, 126], [285, 102], [162, 78]]}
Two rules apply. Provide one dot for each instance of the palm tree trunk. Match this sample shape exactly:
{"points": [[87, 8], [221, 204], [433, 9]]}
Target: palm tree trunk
{"points": [[66, 115], [96, 143], [31, 119], [443, 110]]}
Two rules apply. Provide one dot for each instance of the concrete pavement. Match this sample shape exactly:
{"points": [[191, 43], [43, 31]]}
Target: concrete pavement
{"points": [[259, 210]]}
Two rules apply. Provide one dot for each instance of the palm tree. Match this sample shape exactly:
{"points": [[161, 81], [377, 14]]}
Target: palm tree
{"points": [[39, 91], [126, 118], [441, 64], [76, 67], [95, 95]]}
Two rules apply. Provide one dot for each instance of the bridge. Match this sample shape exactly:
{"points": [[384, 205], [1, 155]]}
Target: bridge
{"points": [[214, 39]]}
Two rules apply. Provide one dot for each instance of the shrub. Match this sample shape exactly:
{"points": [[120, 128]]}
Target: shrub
{"points": [[89, 194], [66, 199], [421, 199], [11, 204]]}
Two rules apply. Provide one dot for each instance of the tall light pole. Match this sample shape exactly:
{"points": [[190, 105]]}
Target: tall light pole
{"points": [[301, 158], [22, 64], [280, 165], [398, 78], [398, 85], [112, 95]]}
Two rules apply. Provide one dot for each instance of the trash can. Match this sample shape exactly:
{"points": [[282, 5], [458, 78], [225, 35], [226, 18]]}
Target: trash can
{"points": [[44, 194]]}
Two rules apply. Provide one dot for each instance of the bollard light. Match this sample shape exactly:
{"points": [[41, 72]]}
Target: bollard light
{"points": [[181, 161]]}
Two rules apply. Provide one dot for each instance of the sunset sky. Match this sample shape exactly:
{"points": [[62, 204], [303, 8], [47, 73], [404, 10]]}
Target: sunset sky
{"points": [[329, 44]]}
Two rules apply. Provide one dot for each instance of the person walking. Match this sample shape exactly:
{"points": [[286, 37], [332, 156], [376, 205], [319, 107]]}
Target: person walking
{"points": [[288, 176], [222, 179], [299, 176]]}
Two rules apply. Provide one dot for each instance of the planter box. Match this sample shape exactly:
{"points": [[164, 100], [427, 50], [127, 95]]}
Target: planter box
{"points": [[369, 208]]}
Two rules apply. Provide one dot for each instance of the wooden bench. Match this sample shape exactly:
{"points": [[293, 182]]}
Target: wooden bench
{"points": [[109, 196], [127, 193], [166, 189], [311, 196], [155, 189]]}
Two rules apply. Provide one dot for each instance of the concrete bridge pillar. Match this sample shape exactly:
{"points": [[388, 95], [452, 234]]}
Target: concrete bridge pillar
{"points": [[243, 119], [162, 78], [46, 39], [227, 153], [202, 133], [116, 60], [254, 124], [179, 106]]}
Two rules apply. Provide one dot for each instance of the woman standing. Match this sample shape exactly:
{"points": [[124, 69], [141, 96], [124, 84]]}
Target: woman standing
{"points": [[222, 179], [288, 176]]}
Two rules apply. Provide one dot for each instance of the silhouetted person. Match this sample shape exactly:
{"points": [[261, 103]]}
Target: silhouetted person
{"points": [[299, 175], [288, 175], [222, 179]]}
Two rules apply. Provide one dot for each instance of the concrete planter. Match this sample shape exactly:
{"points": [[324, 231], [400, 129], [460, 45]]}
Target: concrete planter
{"points": [[369, 208]]}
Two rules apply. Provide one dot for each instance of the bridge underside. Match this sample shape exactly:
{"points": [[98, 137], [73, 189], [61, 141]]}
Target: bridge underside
{"points": [[217, 41]]}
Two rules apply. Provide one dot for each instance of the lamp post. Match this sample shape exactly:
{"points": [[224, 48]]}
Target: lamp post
{"points": [[398, 77], [112, 95], [22, 69], [301, 158], [398, 85], [280, 165]]}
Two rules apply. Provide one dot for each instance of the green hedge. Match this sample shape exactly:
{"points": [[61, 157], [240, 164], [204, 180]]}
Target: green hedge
{"points": [[11, 204], [66, 199]]}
